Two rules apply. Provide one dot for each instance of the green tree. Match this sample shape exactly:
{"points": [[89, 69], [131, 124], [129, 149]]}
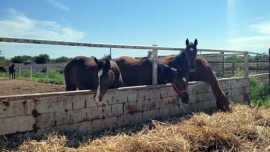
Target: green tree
{"points": [[42, 58], [21, 59], [60, 59], [149, 54], [2, 61]]}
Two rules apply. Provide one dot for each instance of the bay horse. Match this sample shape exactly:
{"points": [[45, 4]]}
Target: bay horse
{"points": [[198, 70], [138, 71], [11, 71], [90, 73]]}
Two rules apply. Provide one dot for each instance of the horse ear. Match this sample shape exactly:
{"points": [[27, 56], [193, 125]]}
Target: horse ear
{"points": [[196, 42], [96, 60], [227, 93], [107, 62], [187, 42]]}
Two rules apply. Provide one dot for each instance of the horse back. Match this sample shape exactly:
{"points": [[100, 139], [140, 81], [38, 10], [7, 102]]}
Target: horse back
{"points": [[81, 71], [135, 71]]}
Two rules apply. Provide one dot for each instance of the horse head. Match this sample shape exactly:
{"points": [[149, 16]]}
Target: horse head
{"points": [[105, 76], [191, 53], [180, 85], [223, 102], [178, 78]]}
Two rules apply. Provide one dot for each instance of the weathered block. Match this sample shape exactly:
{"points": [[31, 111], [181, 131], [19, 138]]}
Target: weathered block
{"points": [[138, 117], [94, 113], [106, 111], [175, 111], [133, 107], [16, 108], [78, 102], [117, 110], [84, 127], [52, 104], [90, 101], [16, 124], [165, 113], [125, 120], [148, 94], [169, 102], [108, 123], [150, 115], [202, 87], [45, 121], [95, 125], [153, 104]]}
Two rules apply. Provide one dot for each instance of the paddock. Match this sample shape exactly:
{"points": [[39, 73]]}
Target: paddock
{"points": [[20, 87], [77, 111]]}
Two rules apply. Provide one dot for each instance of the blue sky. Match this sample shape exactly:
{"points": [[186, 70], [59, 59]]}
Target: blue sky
{"points": [[217, 24]]}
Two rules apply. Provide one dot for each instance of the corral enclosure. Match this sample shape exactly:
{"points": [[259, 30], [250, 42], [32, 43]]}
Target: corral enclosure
{"points": [[77, 111]]}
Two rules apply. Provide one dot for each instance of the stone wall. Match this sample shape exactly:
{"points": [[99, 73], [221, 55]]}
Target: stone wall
{"points": [[77, 110]]}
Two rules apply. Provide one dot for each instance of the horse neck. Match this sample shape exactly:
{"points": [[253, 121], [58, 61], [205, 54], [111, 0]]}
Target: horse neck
{"points": [[182, 59], [212, 80], [165, 75]]}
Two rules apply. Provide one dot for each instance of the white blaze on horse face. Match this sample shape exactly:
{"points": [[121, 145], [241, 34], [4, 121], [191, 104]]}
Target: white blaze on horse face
{"points": [[191, 49], [185, 80], [98, 89]]}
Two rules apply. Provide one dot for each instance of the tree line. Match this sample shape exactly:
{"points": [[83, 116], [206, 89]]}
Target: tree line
{"points": [[255, 58], [40, 59]]}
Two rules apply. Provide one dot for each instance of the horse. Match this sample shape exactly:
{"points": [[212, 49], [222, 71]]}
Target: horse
{"points": [[90, 73], [198, 70], [138, 71], [2, 69], [11, 71]]}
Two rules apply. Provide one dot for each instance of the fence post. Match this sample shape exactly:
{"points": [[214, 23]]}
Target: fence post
{"points": [[269, 67], [246, 65], [233, 68], [31, 72], [20, 72], [154, 66], [223, 60], [47, 73]]}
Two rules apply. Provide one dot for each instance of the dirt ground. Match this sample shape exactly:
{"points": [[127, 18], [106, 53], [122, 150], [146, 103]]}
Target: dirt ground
{"points": [[18, 87]]}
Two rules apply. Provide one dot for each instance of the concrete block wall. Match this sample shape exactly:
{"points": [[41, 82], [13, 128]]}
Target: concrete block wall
{"points": [[77, 110]]}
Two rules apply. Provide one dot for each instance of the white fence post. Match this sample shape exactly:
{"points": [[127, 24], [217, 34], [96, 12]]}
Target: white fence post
{"points": [[47, 72], [31, 72], [20, 72], [154, 66], [246, 65]]}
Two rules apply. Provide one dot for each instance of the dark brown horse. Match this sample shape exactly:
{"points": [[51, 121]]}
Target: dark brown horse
{"points": [[205, 73], [87, 73], [201, 71], [11, 71], [2, 69], [138, 71]]}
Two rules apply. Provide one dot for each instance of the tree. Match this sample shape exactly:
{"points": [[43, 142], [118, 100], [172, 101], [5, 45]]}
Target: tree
{"points": [[21, 59], [149, 54], [2, 61], [60, 59], [42, 58]]}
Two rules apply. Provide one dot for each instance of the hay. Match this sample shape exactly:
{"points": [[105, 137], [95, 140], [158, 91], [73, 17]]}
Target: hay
{"points": [[244, 129]]}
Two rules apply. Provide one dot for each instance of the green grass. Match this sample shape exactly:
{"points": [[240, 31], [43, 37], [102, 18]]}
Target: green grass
{"points": [[259, 92], [54, 76]]}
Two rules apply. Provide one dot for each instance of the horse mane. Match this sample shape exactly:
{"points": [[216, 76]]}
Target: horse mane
{"points": [[106, 57]]}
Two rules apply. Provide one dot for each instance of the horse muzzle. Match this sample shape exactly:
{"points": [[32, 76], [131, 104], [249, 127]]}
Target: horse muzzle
{"points": [[98, 99]]}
